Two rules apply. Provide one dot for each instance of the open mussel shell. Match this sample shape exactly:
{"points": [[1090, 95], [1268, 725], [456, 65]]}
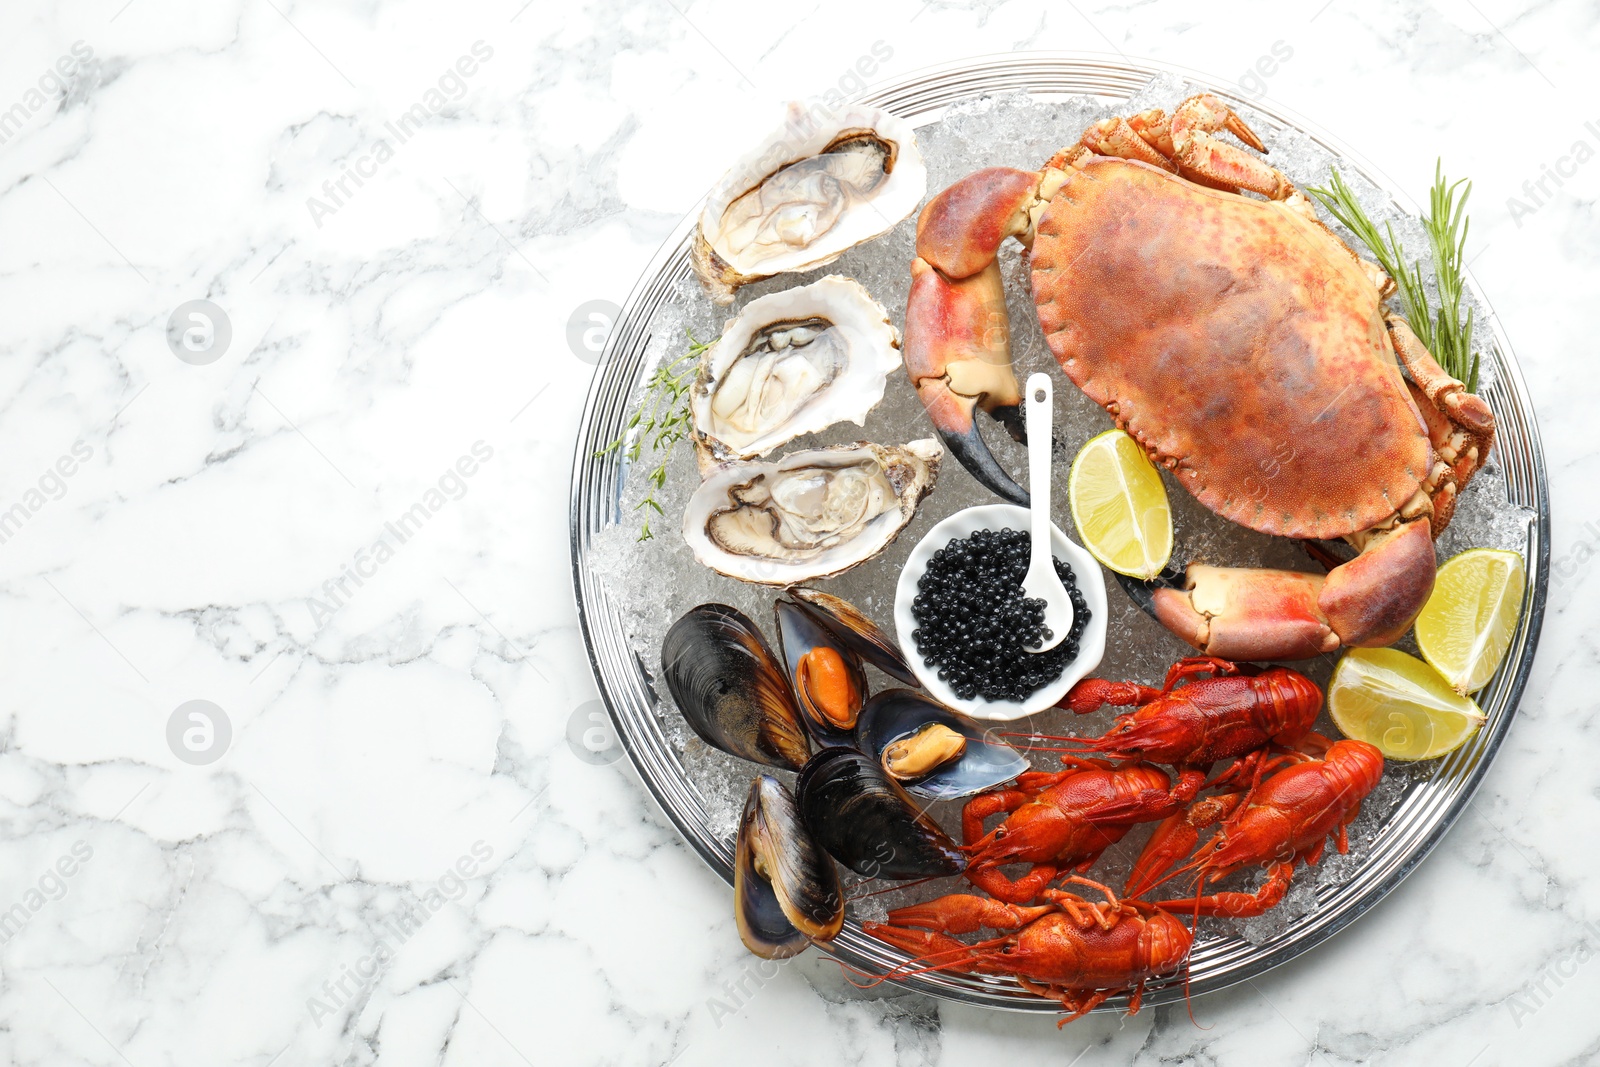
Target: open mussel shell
{"points": [[856, 632], [868, 823], [899, 714], [731, 689], [786, 892], [826, 678]]}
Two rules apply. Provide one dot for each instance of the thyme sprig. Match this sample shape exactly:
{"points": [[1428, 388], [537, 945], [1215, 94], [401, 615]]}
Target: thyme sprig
{"points": [[1441, 330], [662, 419]]}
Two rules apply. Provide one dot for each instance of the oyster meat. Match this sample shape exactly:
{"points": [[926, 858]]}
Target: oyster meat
{"points": [[812, 190], [810, 514], [792, 363]]}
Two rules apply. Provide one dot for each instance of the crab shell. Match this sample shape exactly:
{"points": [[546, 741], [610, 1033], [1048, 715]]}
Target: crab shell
{"points": [[1235, 339]]}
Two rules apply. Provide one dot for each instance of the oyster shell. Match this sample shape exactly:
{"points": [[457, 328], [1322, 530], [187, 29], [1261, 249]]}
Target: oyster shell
{"points": [[792, 363], [810, 514], [809, 192]]}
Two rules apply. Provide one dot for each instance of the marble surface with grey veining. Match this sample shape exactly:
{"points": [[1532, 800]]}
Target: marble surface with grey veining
{"points": [[329, 503]]}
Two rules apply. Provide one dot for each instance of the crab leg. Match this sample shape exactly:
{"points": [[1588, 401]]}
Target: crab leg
{"points": [[958, 332], [1196, 150], [1460, 425], [1155, 128], [1120, 137]]}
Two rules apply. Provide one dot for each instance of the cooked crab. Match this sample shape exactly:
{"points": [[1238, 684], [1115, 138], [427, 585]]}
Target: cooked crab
{"points": [[1238, 340]]}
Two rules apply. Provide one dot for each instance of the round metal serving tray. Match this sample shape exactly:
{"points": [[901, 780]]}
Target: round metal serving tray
{"points": [[1412, 829]]}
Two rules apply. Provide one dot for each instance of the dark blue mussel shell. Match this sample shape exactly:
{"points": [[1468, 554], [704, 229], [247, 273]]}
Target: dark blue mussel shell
{"points": [[987, 761], [800, 633], [731, 689], [856, 632], [868, 823], [786, 893]]}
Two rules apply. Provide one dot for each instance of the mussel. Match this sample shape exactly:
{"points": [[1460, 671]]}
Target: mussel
{"points": [[786, 893], [856, 632], [868, 823], [896, 721], [730, 687], [826, 677], [921, 752]]}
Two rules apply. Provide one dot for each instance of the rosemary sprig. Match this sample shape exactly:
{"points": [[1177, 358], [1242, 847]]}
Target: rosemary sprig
{"points": [[1447, 223], [662, 418], [1441, 330]]}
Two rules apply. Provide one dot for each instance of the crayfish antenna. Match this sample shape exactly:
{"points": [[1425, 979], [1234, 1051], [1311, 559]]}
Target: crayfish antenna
{"points": [[897, 885], [1170, 875], [1188, 1001], [1188, 962], [1067, 751], [963, 957]]}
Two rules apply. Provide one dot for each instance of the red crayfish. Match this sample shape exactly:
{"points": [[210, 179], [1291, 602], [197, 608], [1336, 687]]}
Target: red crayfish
{"points": [[1069, 949], [1287, 791], [1060, 820], [1224, 715], [1284, 817], [1056, 821]]}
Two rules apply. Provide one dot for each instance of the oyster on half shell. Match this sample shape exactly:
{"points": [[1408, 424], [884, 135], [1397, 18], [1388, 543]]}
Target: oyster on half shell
{"points": [[813, 189], [792, 363], [810, 514]]}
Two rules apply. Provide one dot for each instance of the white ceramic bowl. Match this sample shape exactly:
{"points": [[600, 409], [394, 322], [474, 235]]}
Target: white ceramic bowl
{"points": [[1091, 582]]}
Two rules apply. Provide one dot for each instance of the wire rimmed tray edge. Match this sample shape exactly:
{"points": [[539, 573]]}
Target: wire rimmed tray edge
{"points": [[921, 97]]}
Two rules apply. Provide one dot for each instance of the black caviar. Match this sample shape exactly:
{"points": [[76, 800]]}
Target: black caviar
{"points": [[975, 626]]}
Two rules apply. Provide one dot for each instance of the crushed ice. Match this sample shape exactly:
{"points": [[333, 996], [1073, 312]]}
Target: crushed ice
{"points": [[1014, 130]]}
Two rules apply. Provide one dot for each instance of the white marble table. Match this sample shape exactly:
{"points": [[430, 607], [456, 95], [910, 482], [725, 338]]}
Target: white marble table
{"points": [[346, 529]]}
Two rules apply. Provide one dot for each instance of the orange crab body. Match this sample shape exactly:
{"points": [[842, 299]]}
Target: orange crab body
{"points": [[1235, 342], [1237, 339]]}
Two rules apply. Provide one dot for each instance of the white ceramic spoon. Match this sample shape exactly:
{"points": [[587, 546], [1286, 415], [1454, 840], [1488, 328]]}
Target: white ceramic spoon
{"points": [[1042, 582]]}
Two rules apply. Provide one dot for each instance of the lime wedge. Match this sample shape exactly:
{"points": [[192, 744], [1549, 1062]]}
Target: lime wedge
{"points": [[1399, 703], [1466, 626], [1120, 505]]}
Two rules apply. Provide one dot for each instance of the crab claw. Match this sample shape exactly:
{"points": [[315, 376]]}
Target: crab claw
{"points": [[1242, 614], [1372, 600], [1248, 614], [958, 355], [958, 333]]}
